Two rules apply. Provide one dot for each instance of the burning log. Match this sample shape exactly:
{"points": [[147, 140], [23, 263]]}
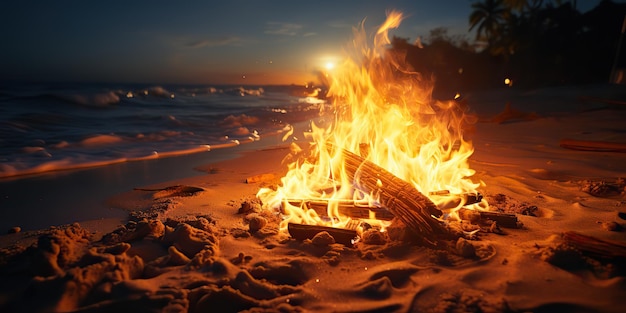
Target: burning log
{"points": [[397, 196], [348, 208], [362, 210], [302, 231], [457, 199]]}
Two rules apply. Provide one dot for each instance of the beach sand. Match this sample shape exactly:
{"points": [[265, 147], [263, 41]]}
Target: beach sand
{"points": [[202, 244]]}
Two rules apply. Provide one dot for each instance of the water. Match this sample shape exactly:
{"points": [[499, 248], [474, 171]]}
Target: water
{"points": [[66, 148], [49, 127]]}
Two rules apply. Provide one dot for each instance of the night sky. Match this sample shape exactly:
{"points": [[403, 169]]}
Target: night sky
{"points": [[204, 42]]}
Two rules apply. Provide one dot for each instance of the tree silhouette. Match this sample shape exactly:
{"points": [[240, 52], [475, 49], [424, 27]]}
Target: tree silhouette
{"points": [[535, 42], [488, 17], [518, 5]]}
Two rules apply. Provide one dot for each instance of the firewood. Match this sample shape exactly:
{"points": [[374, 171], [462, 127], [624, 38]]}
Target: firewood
{"points": [[465, 198], [361, 210], [303, 231], [350, 208], [506, 220], [606, 249], [598, 146], [397, 196]]}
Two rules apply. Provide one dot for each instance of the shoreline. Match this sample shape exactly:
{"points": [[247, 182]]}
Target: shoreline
{"points": [[37, 201]]}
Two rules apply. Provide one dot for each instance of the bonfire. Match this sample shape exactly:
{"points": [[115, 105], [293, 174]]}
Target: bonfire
{"points": [[388, 145]]}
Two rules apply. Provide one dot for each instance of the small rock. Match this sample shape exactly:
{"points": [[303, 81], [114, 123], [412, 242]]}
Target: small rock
{"points": [[611, 226], [494, 228], [152, 229], [14, 230], [239, 233], [322, 239], [245, 207], [374, 237], [249, 207], [256, 222], [465, 249]]}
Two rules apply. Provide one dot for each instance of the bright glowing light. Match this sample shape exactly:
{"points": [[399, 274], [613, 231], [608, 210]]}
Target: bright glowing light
{"points": [[329, 65], [508, 82]]}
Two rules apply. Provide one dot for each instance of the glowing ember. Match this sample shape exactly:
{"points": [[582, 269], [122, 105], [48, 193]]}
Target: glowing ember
{"points": [[383, 112]]}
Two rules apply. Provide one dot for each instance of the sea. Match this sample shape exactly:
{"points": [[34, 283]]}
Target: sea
{"points": [[53, 134]]}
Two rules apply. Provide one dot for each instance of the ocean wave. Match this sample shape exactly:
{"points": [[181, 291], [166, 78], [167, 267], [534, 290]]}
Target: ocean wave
{"points": [[103, 99], [53, 127], [99, 140], [158, 91], [36, 150], [239, 120], [241, 91]]}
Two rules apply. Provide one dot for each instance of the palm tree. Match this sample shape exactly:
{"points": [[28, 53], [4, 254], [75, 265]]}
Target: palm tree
{"points": [[518, 5], [488, 17]]}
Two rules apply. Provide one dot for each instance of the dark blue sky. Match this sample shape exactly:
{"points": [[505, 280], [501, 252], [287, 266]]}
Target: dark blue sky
{"points": [[275, 42]]}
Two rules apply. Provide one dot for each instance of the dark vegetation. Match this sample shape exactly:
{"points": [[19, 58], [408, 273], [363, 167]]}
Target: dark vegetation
{"points": [[535, 43]]}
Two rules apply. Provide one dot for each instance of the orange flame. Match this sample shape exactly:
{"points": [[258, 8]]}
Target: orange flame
{"points": [[385, 113]]}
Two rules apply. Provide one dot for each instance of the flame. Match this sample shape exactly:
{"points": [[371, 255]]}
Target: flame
{"points": [[385, 113]]}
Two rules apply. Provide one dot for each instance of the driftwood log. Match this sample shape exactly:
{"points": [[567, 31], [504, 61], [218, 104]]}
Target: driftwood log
{"points": [[601, 248], [399, 197], [588, 145], [602, 100]]}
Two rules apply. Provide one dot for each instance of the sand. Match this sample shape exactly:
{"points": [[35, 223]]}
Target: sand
{"points": [[202, 244]]}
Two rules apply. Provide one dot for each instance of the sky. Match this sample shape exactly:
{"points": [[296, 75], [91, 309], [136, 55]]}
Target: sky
{"points": [[252, 42]]}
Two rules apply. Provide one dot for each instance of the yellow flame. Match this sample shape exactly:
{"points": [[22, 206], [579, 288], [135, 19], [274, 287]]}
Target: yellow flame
{"points": [[385, 113]]}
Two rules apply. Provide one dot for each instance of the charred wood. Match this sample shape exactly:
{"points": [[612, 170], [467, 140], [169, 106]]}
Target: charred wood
{"points": [[303, 231]]}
